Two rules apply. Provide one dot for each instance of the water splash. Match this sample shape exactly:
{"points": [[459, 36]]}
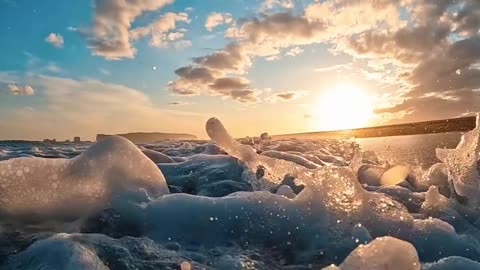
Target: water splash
{"points": [[462, 165]]}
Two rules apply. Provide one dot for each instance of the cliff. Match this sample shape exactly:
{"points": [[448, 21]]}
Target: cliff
{"points": [[144, 138]]}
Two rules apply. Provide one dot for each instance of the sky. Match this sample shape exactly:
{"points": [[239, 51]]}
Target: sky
{"points": [[78, 68]]}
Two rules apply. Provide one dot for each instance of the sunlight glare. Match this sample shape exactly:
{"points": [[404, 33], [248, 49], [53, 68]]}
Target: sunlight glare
{"points": [[343, 107]]}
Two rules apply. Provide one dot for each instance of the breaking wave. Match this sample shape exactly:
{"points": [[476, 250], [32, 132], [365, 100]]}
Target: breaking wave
{"points": [[229, 204]]}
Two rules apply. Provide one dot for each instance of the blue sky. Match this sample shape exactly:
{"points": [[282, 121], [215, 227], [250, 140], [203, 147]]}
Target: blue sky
{"points": [[85, 67]]}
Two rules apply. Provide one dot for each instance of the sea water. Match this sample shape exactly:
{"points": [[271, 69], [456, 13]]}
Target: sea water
{"points": [[395, 203]]}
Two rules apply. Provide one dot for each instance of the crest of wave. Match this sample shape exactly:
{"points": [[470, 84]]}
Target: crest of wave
{"points": [[39, 189]]}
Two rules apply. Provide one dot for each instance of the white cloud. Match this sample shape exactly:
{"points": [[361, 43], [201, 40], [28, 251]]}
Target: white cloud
{"points": [[270, 4], [294, 51], [54, 68], [55, 39], [162, 31], [27, 90], [109, 36], [285, 96], [182, 44], [87, 107], [104, 71], [334, 68], [265, 37], [179, 103], [216, 19]]}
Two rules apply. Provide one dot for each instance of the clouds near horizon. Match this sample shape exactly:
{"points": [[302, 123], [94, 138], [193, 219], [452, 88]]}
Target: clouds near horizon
{"points": [[26, 90], [88, 107], [418, 59]]}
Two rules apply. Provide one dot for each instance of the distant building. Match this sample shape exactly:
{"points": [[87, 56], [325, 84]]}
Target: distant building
{"points": [[76, 140]]}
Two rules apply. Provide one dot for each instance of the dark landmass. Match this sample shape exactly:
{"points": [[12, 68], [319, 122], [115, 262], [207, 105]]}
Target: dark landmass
{"points": [[428, 127], [145, 138], [18, 141]]}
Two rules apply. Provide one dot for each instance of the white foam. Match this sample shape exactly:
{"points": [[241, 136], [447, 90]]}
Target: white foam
{"points": [[461, 165], [38, 189], [385, 253]]}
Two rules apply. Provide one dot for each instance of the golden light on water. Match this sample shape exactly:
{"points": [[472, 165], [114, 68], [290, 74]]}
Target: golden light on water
{"points": [[343, 107]]}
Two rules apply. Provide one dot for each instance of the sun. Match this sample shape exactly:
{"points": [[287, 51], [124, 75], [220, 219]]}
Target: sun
{"points": [[343, 107]]}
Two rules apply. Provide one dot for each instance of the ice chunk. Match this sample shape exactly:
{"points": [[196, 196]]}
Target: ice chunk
{"points": [[462, 165], [38, 189], [385, 253]]}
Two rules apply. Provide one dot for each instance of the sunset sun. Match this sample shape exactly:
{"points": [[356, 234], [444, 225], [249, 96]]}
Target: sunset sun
{"points": [[343, 107]]}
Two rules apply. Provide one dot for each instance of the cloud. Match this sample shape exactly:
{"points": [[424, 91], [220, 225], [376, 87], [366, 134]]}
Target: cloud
{"points": [[247, 96], [285, 96], [405, 46], [294, 51], [182, 44], [196, 79], [192, 80], [334, 68], [55, 39], [270, 4], [179, 103], [160, 31], [233, 59], [428, 50], [229, 83], [68, 111], [104, 71], [454, 104], [27, 90], [54, 68], [264, 37], [441, 58], [110, 34], [216, 19], [346, 17], [268, 34]]}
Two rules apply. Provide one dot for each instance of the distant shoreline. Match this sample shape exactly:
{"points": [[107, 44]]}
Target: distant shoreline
{"points": [[462, 124], [427, 127]]}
